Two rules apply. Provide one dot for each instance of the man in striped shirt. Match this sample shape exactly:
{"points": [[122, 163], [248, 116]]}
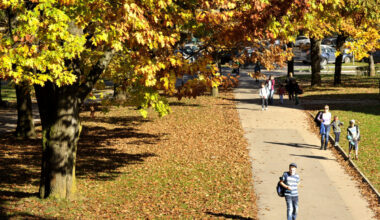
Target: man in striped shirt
{"points": [[290, 181]]}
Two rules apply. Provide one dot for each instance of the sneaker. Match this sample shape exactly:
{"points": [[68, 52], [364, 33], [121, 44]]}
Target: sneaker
{"points": [[266, 108], [262, 109]]}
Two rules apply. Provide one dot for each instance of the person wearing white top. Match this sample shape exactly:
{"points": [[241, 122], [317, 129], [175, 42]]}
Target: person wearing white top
{"points": [[263, 92], [325, 119]]}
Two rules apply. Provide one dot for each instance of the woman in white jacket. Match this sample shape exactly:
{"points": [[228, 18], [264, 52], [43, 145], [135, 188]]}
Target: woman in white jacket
{"points": [[263, 92]]}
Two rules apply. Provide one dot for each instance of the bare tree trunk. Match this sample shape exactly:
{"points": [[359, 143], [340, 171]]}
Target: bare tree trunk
{"points": [[1, 97], [291, 62], [338, 60], [315, 62], [371, 62], [25, 124], [59, 111]]}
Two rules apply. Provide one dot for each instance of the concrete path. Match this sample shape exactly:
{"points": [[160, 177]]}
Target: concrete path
{"points": [[280, 136]]}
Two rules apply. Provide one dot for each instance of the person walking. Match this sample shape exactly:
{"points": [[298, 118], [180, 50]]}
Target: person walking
{"points": [[257, 70], [270, 84], [353, 136], [325, 119], [336, 128], [290, 181], [263, 92], [289, 86], [281, 93]]}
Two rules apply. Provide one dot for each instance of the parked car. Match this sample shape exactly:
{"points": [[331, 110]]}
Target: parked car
{"points": [[328, 55], [190, 52], [376, 57], [301, 40]]}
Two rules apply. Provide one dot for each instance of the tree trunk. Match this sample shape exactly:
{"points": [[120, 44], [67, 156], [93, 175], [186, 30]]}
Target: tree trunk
{"points": [[338, 60], [25, 124], [371, 62], [315, 62], [59, 111], [291, 62], [1, 97]]}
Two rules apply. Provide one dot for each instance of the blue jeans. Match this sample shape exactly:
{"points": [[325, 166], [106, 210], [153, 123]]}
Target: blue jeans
{"points": [[337, 135], [264, 103], [291, 207], [325, 136]]}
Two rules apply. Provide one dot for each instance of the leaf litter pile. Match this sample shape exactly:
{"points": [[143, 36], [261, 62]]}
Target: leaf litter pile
{"points": [[192, 163]]}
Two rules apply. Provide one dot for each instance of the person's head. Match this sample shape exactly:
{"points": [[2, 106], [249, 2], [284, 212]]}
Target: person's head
{"points": [[290, 74], [336, 118], [326, 108], [292, 168], [262, 85], [352, 123], [270, 77]]}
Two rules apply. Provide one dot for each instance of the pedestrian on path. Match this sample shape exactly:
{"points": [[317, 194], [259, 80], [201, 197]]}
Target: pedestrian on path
{"points": [[290, 181], [257, 70], [325, 120], [281, 93], [289, 86], [263, 92], [353, 136], [336, 128], [270, 84]]}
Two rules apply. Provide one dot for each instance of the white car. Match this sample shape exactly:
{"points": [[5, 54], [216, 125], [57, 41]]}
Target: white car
{"points": [[301, 40]]}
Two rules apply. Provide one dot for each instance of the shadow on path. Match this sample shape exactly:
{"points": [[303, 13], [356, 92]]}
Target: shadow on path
{"points": [[295, 145], [312, 157]]}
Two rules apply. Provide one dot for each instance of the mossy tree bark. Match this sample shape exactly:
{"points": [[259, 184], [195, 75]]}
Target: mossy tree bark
{"points": [[315, 62], [339, 59], [59, 110], [25, 125]]}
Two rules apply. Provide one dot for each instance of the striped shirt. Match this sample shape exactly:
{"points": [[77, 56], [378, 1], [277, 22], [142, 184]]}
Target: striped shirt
{"points": [[292, 182]]}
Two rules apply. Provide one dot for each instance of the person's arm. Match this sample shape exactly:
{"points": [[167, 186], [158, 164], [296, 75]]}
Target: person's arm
{"points": [[284, 185]]}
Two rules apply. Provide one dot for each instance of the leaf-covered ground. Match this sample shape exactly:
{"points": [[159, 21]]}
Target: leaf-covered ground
{"points": [[191, 164]]}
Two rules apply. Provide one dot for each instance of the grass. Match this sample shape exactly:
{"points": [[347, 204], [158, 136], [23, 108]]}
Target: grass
{"points": [[352, 87], [192, 163], [8, 93], [368, 120]]}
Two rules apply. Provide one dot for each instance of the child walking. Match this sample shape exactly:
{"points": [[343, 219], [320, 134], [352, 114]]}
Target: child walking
{"points": [[264, 96], [336, 128], [353, 136], [281, 92]]}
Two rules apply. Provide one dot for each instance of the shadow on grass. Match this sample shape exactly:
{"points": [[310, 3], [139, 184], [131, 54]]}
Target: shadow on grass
{"points": [[98, 158], [370, 106], [228, 216], [184, 104]]}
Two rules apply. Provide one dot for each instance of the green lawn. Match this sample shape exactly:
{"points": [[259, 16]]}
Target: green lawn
{"points": [[8, 93], [368, 120]]}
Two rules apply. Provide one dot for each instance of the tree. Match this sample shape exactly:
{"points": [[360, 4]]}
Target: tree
{"points": [[25, 125], [62, 48], [315, 55]]}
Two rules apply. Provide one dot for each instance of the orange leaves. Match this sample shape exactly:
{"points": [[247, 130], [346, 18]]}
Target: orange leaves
{"points": [[65, 2]]}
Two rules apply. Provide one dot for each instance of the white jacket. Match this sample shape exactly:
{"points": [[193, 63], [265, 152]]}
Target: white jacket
{"points": [[264, 92]]}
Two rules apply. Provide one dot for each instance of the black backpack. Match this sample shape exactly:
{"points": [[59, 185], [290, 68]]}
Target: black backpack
{"points": [[279, 188], [316, 119]]}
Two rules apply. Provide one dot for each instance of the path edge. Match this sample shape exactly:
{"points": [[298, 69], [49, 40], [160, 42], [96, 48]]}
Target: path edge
{"points": [[352, 164]]}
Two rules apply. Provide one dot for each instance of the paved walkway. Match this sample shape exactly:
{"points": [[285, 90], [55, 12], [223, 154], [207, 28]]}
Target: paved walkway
{"points": [[280, 136]]}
